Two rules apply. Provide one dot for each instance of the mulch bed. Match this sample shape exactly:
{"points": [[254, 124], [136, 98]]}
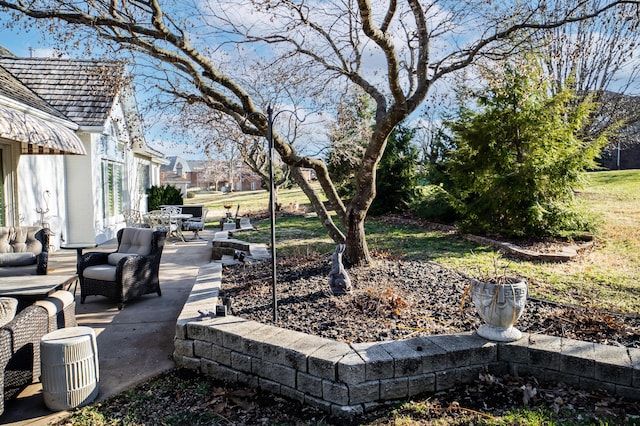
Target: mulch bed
{"points": [[396, 299]]}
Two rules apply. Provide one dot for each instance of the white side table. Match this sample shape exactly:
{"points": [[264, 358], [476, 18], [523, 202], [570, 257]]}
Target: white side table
{"points": [[69, 360]]}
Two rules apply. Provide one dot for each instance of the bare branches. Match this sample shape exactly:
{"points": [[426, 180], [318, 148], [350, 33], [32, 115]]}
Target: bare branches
{"points": [[384, 42], [394, 50], [596, 58], [531, 21]]}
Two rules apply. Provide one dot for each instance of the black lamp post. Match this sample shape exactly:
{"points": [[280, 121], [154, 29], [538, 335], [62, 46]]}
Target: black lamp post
{"points": [[272, 205], [272, 213]]}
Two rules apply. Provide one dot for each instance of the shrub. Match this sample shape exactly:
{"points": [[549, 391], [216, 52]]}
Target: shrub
{"points": [[397, 176], [519, 156], [436, 204], [163, 195]]}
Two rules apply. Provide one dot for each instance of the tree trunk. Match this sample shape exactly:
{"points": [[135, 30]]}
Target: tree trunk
{"points": [[357, 250], [324, 216], [276, 198]]}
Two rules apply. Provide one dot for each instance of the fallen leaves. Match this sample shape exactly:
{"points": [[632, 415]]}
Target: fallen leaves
{"points": [[397, 299]]}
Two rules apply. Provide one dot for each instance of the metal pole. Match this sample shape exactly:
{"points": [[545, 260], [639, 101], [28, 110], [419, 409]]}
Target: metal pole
{"points": [[272, 213]]}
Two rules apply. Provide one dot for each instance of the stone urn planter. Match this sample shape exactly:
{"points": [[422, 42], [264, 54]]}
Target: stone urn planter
{"points": [[499, 302]]}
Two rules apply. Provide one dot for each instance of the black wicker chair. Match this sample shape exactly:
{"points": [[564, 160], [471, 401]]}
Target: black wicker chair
{"points": [[20, 241], [20, 351], [130, 272]]}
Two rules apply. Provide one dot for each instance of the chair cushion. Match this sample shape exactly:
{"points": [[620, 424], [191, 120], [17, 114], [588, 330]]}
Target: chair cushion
{"points": [[56, 302], [189, 225], [51, 307], [64, 297], [136, 240], [6, 234], [17, 259], [8, 309], [16, 271], [20, 239], [100, 272], [114, 258]]}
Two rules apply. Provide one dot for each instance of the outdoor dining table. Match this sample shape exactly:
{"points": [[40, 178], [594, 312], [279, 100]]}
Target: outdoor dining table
{"points": [[178, 217]]}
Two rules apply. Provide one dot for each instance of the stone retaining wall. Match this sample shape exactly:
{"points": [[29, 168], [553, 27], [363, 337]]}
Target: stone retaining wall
{"points": [[348, 379]]}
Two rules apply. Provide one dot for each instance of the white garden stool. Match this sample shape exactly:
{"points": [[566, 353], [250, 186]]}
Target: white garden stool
{"points": [[69, 360]]}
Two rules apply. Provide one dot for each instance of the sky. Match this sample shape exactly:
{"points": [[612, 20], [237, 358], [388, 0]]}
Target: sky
{"points": [[32, 44], [24, 44]]}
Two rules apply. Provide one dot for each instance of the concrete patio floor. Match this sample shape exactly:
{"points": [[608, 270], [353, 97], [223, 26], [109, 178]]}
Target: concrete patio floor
{"points": [[134, 344]]}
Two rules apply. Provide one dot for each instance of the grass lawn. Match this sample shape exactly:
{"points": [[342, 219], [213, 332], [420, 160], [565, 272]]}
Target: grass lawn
{"points": [[249, 201], [607, 277]]}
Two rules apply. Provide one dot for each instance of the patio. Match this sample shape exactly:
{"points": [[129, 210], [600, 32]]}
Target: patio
{"points": [[134, 344]]}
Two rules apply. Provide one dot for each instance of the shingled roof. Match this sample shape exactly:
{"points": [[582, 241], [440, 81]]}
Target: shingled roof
{"points": [[12, 88], [84, 91]]}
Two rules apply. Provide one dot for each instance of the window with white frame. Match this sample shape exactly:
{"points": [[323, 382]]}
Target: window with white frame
{"points": [[144, 177], [112, 188]]}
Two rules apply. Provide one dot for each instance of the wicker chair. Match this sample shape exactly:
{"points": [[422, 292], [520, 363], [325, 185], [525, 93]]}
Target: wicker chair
{"points": [[130, 272], [61, 307], [20, 351], [20, 242], [195, 224]]}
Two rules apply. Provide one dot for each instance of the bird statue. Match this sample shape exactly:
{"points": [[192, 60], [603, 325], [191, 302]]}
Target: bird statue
{"points": [[339, 280]]}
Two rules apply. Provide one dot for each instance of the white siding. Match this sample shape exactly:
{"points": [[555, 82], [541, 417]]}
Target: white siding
{"points": [[41, 194]]}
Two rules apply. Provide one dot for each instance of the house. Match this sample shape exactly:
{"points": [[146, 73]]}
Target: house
{"points": [[72, 153], [198, 176], [214, 174], [617, 157], [175, 173], [623, 151]]}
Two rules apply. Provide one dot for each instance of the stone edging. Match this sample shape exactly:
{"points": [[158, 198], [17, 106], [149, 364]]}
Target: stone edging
{"points": [[349, 379], [562, 255]]}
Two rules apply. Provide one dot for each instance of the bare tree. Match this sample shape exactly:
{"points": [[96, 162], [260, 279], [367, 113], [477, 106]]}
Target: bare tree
{"points": [[596, 58], [213, 174], [394, 50]]}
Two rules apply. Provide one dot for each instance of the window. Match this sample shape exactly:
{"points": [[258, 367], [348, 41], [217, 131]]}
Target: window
{"points": [[3, 219], [144, 178], [111, 146], [112, 188]]}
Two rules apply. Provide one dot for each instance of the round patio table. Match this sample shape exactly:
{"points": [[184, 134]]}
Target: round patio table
{"points": [[78, 247]]}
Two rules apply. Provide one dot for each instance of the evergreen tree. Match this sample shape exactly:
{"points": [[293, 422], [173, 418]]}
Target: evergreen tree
{"points": [[520, 155], [397, 177]]}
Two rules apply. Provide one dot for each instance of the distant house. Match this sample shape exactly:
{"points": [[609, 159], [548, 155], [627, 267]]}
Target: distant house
{"points": [[72, 152], [175, 173], [198, 176], [624, 150], [308, 174]]}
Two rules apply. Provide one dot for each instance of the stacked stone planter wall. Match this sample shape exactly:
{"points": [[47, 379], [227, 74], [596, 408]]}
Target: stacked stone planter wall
{"points": [[348, 379]]}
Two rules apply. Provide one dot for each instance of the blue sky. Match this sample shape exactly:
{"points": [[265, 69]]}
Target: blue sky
{"points": [[32, 43], [19, 42]]}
